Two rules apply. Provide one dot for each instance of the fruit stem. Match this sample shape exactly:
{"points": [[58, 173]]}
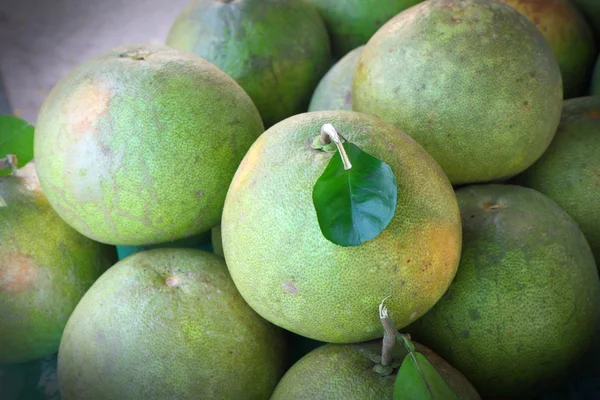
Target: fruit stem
{"points": [[329, 131], [389, 334], [9, 162]]}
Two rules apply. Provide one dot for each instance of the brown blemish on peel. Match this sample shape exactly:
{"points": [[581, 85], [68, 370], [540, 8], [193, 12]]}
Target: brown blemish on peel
{"points": [[18, 272]]}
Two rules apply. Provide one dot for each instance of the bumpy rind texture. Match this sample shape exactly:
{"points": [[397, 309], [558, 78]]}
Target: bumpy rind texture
{"points": [[138, 145], [294, 277], [168, 324], [351, 23], [334, 91], [277, 50], [473, 81], [569, 171], [335, 371], [45, 268], [525, 303], [570, 37]]}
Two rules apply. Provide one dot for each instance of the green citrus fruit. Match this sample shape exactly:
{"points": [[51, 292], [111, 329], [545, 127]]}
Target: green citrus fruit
{"points": [[45, 268], [168, 324], [277, 50], [336, 371], [334, 91], [474, 82], [525, 303], [570, 36], [352, 22], [293, 276], [138, 145], [569, 171]]}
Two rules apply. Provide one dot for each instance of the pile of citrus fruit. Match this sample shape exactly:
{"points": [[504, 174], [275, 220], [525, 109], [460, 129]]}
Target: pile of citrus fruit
{"points": [[312, 199]]}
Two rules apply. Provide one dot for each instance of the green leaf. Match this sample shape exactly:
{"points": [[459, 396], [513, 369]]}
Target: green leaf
{"points": [[418, 379], [355, 205], [16, 137]]}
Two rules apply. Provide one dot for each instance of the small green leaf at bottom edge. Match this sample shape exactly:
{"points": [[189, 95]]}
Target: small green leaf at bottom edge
{"points": [[355, 205], [16, 137], [418, 379]]}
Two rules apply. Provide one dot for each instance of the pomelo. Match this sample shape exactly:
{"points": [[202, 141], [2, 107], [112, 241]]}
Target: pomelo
{"points": [[294, 277], [137, 145], [352, 22], [168, 324], [277, 50], [335, 371], [570, 36], [474, 82], [45, 268], [525, 303], [334, 91], [569, 171]]}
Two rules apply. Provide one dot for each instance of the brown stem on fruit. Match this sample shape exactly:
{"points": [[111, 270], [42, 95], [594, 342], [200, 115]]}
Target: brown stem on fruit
{"points": [[328, 131], [389, 334], [9, 162]]}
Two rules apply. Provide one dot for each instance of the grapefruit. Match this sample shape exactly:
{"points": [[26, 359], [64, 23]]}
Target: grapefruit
{"points": [[45, 268], [474, 82], [570, 36], [293, 276], [569, 171], [525, 303], [336, 371], [168, 324], [334, 91], [277, 50], [352, 22], [138, 145]]}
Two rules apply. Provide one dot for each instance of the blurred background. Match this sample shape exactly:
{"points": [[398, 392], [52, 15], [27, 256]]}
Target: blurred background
{"points": [[41, 40]]}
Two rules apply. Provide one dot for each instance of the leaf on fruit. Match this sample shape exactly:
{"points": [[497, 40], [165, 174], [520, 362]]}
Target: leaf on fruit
{"points": [[418, 379], [16, 138], [355, 205]]}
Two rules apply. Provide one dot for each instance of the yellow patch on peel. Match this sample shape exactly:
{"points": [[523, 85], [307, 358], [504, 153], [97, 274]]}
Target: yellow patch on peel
{"points": [[439, 265], [247, 164], [85, 106], [18, 273]]}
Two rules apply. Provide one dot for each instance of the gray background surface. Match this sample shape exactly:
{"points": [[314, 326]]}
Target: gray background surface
{"points": [[42, 40]]}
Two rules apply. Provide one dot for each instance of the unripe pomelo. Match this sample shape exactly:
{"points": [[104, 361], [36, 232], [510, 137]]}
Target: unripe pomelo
{"points": [[352, 22], [525, 303], [569, 171], [336, 371], [45, 269], [277, 50], [473, 81], [294, 277], [168, 324], [138, 145], [570, 36], [334, 91]]}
